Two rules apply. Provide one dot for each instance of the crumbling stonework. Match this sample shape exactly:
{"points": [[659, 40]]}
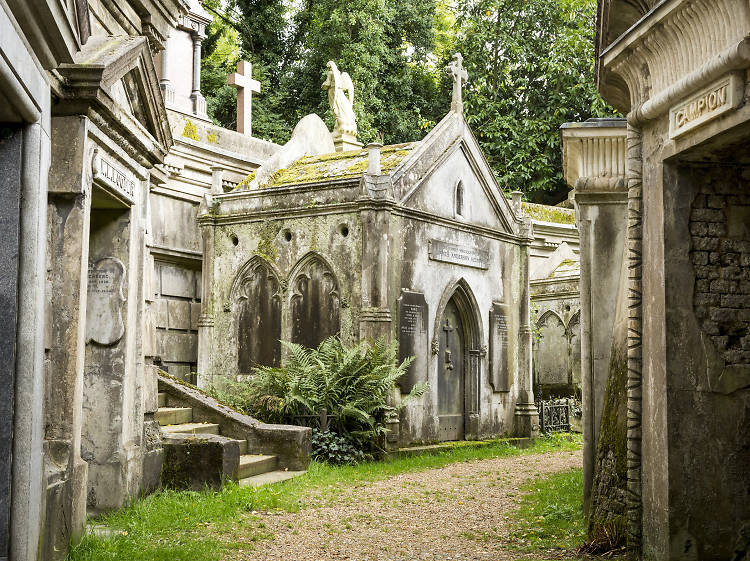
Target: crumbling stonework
{"points": [[720, 254]]}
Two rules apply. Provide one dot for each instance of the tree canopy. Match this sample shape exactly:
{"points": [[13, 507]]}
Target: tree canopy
{"points": [[530, 66]]}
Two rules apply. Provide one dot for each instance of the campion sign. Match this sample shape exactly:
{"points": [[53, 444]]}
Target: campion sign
{"points": [[722, 96]]}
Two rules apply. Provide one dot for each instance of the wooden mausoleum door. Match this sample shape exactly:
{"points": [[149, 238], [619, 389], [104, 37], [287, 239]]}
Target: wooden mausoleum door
{"points": [[451, 365]]}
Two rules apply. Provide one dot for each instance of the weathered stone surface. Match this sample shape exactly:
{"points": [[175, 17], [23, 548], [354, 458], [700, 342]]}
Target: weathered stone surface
{"points": [[179, 314], [177, 281], [258, 297], [10, 170], [104, 322], [314, 303], [196, 461]]}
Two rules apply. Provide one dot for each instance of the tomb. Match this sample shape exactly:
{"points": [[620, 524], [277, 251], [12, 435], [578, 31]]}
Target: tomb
{"points": [[555, 273], [663, 201], [412, 242]]}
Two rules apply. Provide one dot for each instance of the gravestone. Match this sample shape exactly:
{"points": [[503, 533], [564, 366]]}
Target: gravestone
{"points": [[412, 337], [259, 320], [315, 304], [499, 372], [104, 324]]}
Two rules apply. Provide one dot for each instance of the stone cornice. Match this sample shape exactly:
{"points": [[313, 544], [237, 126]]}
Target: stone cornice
{"points": [[594, 155], [677, 47]]}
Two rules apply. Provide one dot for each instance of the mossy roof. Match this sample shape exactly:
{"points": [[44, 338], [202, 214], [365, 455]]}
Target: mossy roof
{"points": [[567, 268], [334, 166], [545, 213]]}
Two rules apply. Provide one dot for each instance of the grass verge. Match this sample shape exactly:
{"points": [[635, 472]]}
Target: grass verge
{"points": [[551, 514], [199, 526]]}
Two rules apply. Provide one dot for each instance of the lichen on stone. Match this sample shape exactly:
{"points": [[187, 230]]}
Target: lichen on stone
{"points": [[546, 213], [266, 247], [190, 130]]}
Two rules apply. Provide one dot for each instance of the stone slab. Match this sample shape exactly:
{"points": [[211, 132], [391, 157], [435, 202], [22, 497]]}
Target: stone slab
{"points": [[178, 347], [178, 312], [195, 314], [499, 368], [413, 339], [176, 281]]}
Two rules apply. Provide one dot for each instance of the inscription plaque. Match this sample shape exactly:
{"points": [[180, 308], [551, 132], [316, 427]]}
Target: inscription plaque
{"points": [[109, 175], [104, 324], [412, 337], [468, 256], [713, 101], [499, 372]]}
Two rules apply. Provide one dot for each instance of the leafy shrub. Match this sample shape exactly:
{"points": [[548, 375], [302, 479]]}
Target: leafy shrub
{"points": [[336, 449], [353, 383]]}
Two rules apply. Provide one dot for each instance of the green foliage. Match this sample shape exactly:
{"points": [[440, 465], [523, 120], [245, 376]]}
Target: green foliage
{"points": [[352, 383], [551, 514], [332, 448], [394, 52], [531, 68]]}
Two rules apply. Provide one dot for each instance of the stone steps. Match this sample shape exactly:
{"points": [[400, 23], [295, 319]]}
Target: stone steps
{"points": [[252, 464], [269, 477], [254, 469], [174, 415], [192, 428]]}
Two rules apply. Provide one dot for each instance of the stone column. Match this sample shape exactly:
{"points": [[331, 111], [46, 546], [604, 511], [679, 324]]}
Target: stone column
{"points": [[594, 164], [199, 102], [526, 419], [68, 230], [165, 84], [206, 319]]}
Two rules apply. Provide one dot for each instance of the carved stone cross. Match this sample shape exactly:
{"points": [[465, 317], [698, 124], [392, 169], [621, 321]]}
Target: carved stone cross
{"points": [[448, 360], [460, 77], [242, 80]]}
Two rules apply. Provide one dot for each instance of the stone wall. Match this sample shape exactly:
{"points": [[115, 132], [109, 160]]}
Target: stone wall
{"points": [[720, 254]]}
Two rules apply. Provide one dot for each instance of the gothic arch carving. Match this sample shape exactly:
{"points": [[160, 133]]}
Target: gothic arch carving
{"points": [[467, 305], [314, 301], [574, 320], [547, 315], [256, 298]]}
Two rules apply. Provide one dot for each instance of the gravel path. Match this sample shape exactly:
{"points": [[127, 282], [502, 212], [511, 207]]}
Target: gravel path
{"points": [[458, 512]]}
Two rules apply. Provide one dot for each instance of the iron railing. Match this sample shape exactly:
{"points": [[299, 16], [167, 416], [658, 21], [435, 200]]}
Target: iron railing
{"points": [[554, 416]]}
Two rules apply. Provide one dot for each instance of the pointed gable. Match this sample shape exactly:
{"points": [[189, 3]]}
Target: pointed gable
{"points": [[448, 175], [114, 77]]}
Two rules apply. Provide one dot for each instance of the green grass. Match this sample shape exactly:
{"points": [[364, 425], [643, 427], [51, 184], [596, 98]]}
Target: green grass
{"points": [[200, 526], [551, 514]]}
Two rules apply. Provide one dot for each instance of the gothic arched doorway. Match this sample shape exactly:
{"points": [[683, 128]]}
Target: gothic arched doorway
{"points": [[452, 374]]}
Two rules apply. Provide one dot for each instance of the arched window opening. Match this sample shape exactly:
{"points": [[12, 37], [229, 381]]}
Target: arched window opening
{"points": [[460, 199]]}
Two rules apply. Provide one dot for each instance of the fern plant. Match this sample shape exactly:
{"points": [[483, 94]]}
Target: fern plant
{"points": [[353, 383]]}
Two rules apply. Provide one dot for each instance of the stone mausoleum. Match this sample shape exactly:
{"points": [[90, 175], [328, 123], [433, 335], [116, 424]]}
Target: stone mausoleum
{"points": [[413, 242]]}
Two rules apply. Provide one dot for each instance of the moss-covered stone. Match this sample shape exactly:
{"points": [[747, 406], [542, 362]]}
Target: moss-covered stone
{"points": [[546, 213], [608, 519], [267, 241]]}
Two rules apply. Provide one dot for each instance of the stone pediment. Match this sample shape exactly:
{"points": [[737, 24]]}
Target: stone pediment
{"points": [[448, 165], [113, 81]]}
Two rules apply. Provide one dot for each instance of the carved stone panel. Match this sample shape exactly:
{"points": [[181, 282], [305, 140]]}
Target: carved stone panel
{"points": [[500, 377], [412, 337], [258, 319], [314, 304], [104, 323]]}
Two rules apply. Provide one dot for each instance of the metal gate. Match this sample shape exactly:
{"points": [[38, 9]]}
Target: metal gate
{"points": [[554, 416]]}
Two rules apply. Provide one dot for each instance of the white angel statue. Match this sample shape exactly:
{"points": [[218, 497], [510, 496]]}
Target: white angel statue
{"points": [[339, 84]]}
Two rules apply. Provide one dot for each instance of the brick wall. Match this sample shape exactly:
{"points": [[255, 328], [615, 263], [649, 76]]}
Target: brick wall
{"points": [[720, 254]]}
